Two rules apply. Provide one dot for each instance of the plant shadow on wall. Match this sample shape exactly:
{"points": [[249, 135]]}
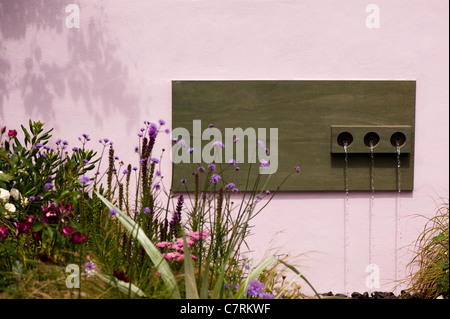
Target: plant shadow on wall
{"points": [[87, 70]]}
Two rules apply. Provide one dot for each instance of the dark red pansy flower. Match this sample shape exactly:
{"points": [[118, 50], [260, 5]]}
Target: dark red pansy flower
{"points": [[120, 275]]}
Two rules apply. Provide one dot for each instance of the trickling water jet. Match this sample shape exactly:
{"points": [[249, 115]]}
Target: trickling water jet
{"points": [[398, 229], [372, 203], [346, 217]]}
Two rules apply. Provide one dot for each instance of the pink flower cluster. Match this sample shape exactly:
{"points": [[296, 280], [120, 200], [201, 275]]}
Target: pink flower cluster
{"points": [[177, 247]]}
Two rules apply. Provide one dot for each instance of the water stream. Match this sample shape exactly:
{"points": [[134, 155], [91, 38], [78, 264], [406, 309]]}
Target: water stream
{"points": [[346, 218], [372, 204], [398, 228]]}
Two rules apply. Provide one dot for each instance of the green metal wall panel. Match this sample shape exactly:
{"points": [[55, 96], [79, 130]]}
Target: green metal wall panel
{"points": [[305, 113]]}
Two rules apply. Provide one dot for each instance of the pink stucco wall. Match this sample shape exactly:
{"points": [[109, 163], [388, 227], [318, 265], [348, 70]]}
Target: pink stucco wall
{"points": [[115, 71]]}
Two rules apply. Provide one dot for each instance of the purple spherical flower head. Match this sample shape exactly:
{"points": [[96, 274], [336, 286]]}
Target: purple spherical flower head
{"points": [[230, 185], [152, 130], [48, 186], [112, 212], [218, 144], [255, 288], [84, 180], [264, 163], [161, 122], [183, 181], [146, 210], [297, 169], [212, 166], [215, 178]]}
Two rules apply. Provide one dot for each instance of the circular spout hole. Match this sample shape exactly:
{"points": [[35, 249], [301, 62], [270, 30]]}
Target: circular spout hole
{"points": [[345, 138], [398, 138], [371, 138]]}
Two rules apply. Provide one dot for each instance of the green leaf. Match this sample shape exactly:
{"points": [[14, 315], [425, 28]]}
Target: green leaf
{"points": [[121, 285], [189, 274], [4, 177], [152, 251], [242, 291]]}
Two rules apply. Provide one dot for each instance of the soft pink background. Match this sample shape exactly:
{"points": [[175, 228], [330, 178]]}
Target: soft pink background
{"points": [[115, 71]]}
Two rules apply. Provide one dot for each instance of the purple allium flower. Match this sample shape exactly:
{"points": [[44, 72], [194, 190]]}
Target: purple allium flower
{"points": [[155, 160], [235, 190], [267, 192], [212, 167], [211, 125], [146, 210], [152, 130], [112, 212], [75, 149], [297, 169], [264, 163], [201, 169], [190, 150], [156, 186], [139, 135], [232, 162], [84, 180], [90, 267], [32, 198], [230, 185], [266, 295], [135, 168], [158, 173], [182, 142], [255, 287], [143, 160], [218, 144], [161, 122], [126, 172], [48, 186], [167, 131], [215, 178], [267, 151], [183, 181]]}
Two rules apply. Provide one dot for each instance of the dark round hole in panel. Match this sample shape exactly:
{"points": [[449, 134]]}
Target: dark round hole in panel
{"points": [[371, 138], [345, 137], [398, 138]]}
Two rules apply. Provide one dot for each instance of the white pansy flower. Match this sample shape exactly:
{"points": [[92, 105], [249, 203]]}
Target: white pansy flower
{"points": [[15, 193], [4, 195]]}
